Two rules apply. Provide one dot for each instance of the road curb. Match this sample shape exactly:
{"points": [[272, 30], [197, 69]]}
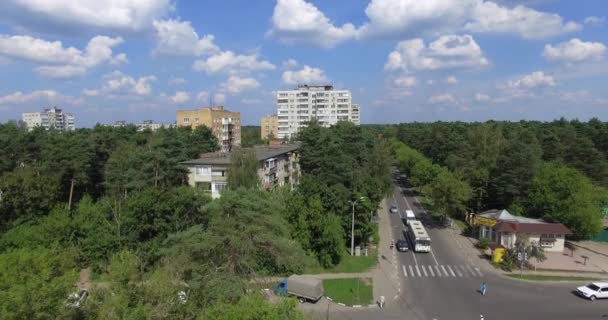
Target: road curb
{"points": [[358, 306]]}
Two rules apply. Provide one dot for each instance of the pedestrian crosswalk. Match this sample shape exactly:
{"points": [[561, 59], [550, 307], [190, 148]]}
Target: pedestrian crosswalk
{"points": [[441, 271]]}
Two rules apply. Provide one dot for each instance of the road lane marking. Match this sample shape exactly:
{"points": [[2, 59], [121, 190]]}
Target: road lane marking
{"points": [[438, 272], [414, 255], [404, 271], [471, 271], [445, 272], [433, 255], [418, 271], [424, 270], [412, 271], [457, 271], [431, 271], [464, 272], [451, 271], [480, 274]]}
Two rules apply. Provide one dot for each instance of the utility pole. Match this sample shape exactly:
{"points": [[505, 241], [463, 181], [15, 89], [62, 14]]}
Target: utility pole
{"points": [[352, 232]]}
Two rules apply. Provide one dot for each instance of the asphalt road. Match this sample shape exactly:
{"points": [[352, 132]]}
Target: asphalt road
{"points": [[444, 284]]}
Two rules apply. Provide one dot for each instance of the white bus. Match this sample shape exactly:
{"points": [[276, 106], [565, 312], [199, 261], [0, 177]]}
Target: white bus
{"points": [[409, 216], [421, 242]]}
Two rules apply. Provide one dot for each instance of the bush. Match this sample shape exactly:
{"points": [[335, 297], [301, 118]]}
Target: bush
{"points": [[483, 244]]}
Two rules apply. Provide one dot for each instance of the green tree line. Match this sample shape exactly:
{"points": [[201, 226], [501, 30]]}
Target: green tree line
{"points": [[553, 170]]}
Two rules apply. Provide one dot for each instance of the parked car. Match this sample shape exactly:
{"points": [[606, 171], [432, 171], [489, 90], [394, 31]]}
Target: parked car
{"points": [[594, 290], [402, 246], [394, 209]]}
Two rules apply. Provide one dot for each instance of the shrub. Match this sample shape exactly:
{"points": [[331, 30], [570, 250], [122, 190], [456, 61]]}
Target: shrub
{"points": [[483, 244]]}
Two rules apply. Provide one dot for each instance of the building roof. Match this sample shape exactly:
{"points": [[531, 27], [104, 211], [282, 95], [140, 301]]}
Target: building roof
{"points": [[504, 215], [541, 228], [262, 152]]}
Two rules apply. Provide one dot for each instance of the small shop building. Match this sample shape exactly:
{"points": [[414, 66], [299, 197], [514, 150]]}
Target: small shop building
{"points": [[503, 229]]}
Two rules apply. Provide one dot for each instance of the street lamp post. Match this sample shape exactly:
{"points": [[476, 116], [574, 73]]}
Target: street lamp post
{"points": [[352, 226]]}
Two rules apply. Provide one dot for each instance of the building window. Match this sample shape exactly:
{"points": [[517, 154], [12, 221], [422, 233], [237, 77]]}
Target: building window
{"points": [[204, 186], [204, 170], [186, 120], [219, 187]]}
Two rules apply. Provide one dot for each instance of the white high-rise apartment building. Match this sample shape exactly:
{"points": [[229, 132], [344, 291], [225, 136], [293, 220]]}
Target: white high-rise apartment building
{"points": [[49, 118], [328, 106]]}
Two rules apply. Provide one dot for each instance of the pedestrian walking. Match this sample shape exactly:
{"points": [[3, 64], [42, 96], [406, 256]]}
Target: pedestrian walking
{"points": [[484, 288], [381, 301]]}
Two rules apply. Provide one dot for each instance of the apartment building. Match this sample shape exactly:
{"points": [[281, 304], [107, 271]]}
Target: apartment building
{"points": [[278, 165], [49, 118], [328, 106], [269, 127], [225, 125]]}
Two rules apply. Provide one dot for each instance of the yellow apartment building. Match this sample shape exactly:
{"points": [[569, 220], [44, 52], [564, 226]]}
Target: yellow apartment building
{"points": [[225, 125], [269, 127]]}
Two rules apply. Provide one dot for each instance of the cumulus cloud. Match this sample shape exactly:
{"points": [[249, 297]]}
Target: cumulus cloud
{"points": [[481, 97], [595, 21], [174, 81], [120, 15], [290, 63], [449, 51], [405, 81], [451, 80], [528, 23], [298, 21], [575, 50], [528, 85], [118, 83], [307, 75], [175, 37], [444, 98], [61, 62], [19, 97], [180, 97], [219, 98], [229, 62], [236, 84]]}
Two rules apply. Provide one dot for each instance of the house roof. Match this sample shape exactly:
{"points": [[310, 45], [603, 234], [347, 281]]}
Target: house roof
{"points": [[516, 227], [262, 152], [504, 215]]}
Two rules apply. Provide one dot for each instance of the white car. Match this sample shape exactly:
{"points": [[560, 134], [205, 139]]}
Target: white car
{"points": [[394, 209], [594, 290]]}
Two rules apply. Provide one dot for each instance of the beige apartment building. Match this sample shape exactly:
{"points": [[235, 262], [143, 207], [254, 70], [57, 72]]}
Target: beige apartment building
{"points": [[224, 124], [269, 127], [278, 165]]}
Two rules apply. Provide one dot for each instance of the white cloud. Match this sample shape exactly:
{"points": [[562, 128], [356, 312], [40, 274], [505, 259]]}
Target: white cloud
{"points": [[123, 15], [297, 21], [527, 85], [174, 81], [307, 75], [449, 51], [481, 97], [595, 21], [398, 17], [228, 61], [575, 50], [203, 96], [405, 81], [180, 97], [118, 83], [179, 38], [35, 96], [451, 80], [528, 23], [65, 62], [441, 99], [219, 98], [236, 84], [290, 63]]}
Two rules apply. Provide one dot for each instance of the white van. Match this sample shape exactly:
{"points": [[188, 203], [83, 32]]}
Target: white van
{"points": [[409, 216]]}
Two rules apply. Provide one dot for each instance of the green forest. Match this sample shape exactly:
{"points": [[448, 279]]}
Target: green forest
{"points": [[556, 170], [111, 208]]}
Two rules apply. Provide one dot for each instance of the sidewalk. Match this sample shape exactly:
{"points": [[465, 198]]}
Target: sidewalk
{"points": [[386, 274]]}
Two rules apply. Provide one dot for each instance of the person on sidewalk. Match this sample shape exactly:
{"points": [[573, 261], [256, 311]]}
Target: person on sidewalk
{"points": [[484, 288]]}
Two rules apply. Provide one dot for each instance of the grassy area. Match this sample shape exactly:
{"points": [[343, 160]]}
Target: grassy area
{"points": [[349, 291], [539, 277], [349, 264], [461, 224]]}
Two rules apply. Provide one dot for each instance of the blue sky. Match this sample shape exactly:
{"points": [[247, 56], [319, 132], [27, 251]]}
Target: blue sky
{"points": [[404, 60]]}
